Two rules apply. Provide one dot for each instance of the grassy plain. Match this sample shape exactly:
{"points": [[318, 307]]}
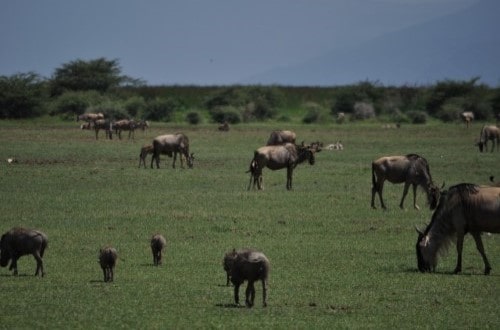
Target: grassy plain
{"points": [[336, 263]]}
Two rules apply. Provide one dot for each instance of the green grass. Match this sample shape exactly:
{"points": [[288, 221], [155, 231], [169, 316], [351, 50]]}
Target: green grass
{"points": [[335, 262]]}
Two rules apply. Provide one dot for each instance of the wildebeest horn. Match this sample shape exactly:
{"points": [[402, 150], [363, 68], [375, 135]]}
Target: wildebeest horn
{"points": [[418, 230]]}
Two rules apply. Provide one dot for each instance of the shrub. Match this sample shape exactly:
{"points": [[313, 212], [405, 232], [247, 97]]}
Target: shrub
{"points": [[227, 113], [193, 118], [363, 110], [135, 106], [21, 95], [417, 117], [111, 109], [160, 109]]}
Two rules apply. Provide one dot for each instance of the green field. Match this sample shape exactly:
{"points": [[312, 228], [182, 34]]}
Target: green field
{"points": [[335, 262]]}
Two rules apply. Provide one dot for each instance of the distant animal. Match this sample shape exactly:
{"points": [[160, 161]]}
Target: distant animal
{"points": [[489, 132], [335, 146], [224, 127], [464, 208], [158, 243], [18, 242], [104, 124], [281, 137], [467, 117], [142, 124], [172, 143], [411, 169], [125, 125], [278, 157], [340, 118], [90, 116], [107, 260], [247, 265], [145, 150]]}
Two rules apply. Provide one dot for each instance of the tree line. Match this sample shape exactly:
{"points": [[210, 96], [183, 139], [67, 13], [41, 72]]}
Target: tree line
{"points": [[99, 85]]}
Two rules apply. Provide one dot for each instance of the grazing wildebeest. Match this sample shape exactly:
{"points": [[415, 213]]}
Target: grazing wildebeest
{"points": [[412, 170], [224, 127], [107, 260], [158, 243], [172, 143], [467, 117], [249, 265], [18, 242], [145, 150], [489, 132], [464, 208], [90, 116], [281, 137], [125, 125], [142, 124], [278, 157], [104, 124]]}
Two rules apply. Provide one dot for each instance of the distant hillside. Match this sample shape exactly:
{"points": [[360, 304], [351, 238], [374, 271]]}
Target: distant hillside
{"points": [[458, 47]]}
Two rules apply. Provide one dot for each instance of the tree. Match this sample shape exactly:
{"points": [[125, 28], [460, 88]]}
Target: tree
{"points": [[21, 95], [100, 75]]}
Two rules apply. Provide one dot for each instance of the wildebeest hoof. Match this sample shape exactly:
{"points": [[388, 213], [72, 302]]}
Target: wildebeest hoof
{"points": [[487, 271]]}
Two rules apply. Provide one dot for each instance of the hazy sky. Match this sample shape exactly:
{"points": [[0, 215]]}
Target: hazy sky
{"points": [[196, 41]]}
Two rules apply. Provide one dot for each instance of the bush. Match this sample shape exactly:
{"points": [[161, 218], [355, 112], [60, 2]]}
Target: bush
{"points": [[417, 117], [135, 106], [160, 109], [227, 113], [363, 110], [111, 109], [22, 95], [71, 104], [193, 118]]}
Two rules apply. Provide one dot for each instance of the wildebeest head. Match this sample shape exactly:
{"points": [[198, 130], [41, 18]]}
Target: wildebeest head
{"points": [[481, 146], [190, 160], [423, 263], [434, 195], [4, 252]]}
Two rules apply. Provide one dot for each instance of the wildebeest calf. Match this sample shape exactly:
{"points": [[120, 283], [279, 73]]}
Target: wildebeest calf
{"points": [[145, 150], [107, 260], [18, 242], [158, 243], [249, 265]]}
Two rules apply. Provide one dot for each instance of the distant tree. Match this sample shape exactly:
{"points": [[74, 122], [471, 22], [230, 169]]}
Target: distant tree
{"points": [[99, 74], [22, 95], [447, 89]]}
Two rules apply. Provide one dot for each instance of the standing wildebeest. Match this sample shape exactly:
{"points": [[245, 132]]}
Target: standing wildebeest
{"points": [[467, 117], [410, 169], [489, 132], [125, 125], [145, 150], [278, 157], [281, 137], [107, 260], [464, 208], [172, 143], [18, 242], [90, 117], [250, 265], [158, 243], [104, 124]]}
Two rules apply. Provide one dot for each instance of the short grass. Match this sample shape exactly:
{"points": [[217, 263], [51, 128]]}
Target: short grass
{"points": [[336, 263]]}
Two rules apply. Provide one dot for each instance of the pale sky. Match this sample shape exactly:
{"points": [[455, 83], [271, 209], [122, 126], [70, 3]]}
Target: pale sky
{"points": [[201, 42]]}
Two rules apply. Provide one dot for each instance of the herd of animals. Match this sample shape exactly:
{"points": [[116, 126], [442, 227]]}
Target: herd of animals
{"points": [[463, 208]]}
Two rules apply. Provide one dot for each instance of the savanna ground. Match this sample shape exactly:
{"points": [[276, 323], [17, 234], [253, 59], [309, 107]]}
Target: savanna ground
{"points": [[336, 263]]}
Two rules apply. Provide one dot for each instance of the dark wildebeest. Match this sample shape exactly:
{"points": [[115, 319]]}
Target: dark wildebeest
{"points": [[412, 170], [281, 137], [142, 124], [249, 265], [145, 150], [172, 143], [158, 243], [278, 157], [104, 124], [18, 242], [90, 117], [464, 208], [224, 127], [467, 117], [107, 260], [489, 132], [125, 125]]}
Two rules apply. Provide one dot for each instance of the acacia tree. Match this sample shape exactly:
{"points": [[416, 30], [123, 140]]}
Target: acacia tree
{"points": [[99, 74], [21, 95]]}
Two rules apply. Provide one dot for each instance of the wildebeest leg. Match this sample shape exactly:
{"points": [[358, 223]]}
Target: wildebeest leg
{"points": [[480, 248], [460, 244], [415, 197], [13, 264], [289, 172], [237, 294], [250, 294], [264, 293], [175, 157], [378, 188], [39, 264], [96, 133], [104, 272], [405, 192]]}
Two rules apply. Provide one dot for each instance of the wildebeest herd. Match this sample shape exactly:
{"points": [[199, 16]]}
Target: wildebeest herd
{"points": [[461, 209]]}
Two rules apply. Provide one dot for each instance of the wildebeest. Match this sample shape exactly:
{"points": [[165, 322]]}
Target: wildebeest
{"points": [[90, 116], [224, 127], [18, 242], [464, 208], [281, 137], [467, 117], [145, 150], [104, 124], [278, 157], [489, 132], [158, 243], [335, 146], [107, 260], [125, 125], [172, 143], [249, 265], [411, 169]]}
